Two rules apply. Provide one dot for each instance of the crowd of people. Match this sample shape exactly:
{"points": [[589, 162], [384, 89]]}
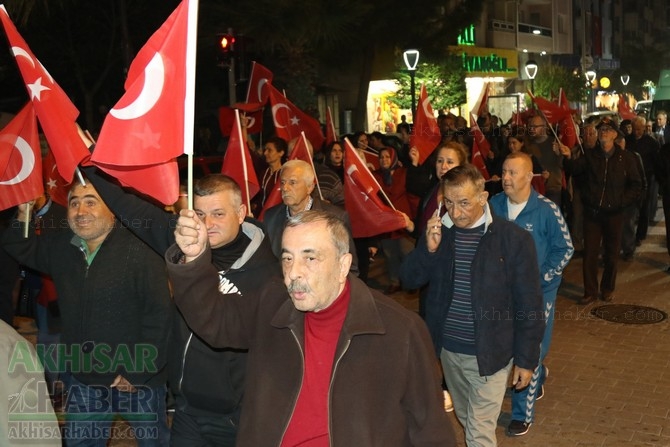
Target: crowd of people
{"points": [[323, 359]]}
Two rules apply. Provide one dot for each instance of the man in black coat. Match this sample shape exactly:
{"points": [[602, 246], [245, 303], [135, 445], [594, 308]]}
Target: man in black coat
{"points": [[297, 184]]}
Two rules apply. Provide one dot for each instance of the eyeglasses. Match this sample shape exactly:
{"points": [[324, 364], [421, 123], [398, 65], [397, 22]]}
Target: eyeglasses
{"points": [[605, 128]]}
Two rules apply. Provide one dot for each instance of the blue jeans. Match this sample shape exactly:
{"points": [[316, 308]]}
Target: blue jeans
{"points": [[523, 401], [90, 411]]}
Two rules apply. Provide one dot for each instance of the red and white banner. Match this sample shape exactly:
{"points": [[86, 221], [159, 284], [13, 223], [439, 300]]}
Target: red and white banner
{"points": [[20, 160], [426, 133], [238, 165]]}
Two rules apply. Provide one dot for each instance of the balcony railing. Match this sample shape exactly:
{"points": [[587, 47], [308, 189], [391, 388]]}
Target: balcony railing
{"points": [[501, 25]]}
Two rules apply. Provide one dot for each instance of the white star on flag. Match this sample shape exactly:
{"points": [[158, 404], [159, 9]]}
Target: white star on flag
{"points": [[148, 138], [295, 121], [51, 183], [36, 89]]}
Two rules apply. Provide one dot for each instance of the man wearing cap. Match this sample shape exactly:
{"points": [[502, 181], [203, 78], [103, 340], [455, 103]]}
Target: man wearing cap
{"points": [[612, 182]]}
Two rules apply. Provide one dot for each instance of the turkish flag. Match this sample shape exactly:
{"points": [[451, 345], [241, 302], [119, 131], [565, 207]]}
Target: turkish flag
{"points": [[238, 165], [624, 109], [552, 112], [331, 135], [253, 114], [289, 120], [479, 138], [55, 111], [259, 83], [20, 160], [56, 186], [426, 133], [368, 213], [144, 132], [299, 152]]}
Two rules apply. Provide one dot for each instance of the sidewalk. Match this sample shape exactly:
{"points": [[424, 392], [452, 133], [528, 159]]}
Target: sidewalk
{"points": [[609, 383]]}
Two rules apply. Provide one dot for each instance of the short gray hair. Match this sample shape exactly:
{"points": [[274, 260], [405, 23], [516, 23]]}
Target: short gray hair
{"points": [[339, 233]]}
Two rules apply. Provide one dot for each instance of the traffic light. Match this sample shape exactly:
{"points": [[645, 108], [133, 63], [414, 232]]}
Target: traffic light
{"points": [[227, 43], [226, 46]]}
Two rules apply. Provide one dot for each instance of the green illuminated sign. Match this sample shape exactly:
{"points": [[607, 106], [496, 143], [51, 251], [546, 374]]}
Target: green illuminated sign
{"points": [[467, 36], [491, 63]]}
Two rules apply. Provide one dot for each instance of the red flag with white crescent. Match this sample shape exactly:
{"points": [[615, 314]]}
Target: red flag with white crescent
{"points": [[289, 120], [237, 164], [552, 112], [144, 131], [21, 160], [55, 111], [259, 81], [426, 133], [368, 213]]}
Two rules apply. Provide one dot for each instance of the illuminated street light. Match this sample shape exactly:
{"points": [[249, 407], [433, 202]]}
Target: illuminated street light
{"points": [[411, 58], [531, 72], [625, 79]]}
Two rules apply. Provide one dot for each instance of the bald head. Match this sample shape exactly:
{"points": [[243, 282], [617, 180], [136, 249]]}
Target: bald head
{"points": [[517, 175]]}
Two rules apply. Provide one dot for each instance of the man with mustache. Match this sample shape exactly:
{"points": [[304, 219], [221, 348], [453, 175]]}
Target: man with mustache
{"points": [[115, 304], [331, 363], [484, 304]]}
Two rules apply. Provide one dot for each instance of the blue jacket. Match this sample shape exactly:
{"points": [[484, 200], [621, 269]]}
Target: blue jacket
{"points": [[506, 296], [543, 220]]}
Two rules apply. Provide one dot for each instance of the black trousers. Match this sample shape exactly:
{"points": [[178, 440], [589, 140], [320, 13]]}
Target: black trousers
{"points": [[605, 228]]}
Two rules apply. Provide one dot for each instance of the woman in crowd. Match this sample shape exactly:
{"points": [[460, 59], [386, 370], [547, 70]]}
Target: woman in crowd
{"points": [[448, 156], [393, 178], [334, 158]]}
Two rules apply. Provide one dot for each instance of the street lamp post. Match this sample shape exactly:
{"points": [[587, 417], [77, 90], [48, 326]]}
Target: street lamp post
{"points": [[531, 72], [411, 58], [625, 79], [591, 77]]}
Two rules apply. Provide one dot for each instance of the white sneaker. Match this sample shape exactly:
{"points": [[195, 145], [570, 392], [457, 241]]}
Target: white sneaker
{"points": [[448, 404]]}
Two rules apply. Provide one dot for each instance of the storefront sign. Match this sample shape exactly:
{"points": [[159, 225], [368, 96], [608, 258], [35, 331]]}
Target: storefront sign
{"points": [[485, 62]]}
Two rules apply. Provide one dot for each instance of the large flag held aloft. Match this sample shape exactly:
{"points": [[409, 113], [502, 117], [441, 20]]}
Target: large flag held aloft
{"points": [[368, 213], [144, 132], [426, 133], [237, 164], [55, 111], [289, 120], [20, 160], [480, 148]]}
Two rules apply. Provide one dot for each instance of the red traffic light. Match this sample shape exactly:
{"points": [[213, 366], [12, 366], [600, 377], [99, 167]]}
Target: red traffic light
{"points": [[226, 42]]}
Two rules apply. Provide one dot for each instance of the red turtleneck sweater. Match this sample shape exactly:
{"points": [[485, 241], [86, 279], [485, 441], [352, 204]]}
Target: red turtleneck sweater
{"points": [[308, 426]]}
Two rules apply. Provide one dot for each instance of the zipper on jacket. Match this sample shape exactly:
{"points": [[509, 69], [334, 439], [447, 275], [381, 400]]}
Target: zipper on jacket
{"points": [[602, 194], [183, 360], [302, 378], [330, 392]]}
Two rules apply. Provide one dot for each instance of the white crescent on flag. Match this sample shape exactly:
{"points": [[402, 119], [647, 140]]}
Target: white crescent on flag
{"points": [[275, 109], [27, 162], [426, 106], [259, 89], [154, 79]]}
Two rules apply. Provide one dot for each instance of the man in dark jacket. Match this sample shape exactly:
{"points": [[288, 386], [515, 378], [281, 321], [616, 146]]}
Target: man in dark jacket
{"points": [[484, 304], [115, 309], [208, 382], [331, 363], [612, 182], [296, 186]]}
